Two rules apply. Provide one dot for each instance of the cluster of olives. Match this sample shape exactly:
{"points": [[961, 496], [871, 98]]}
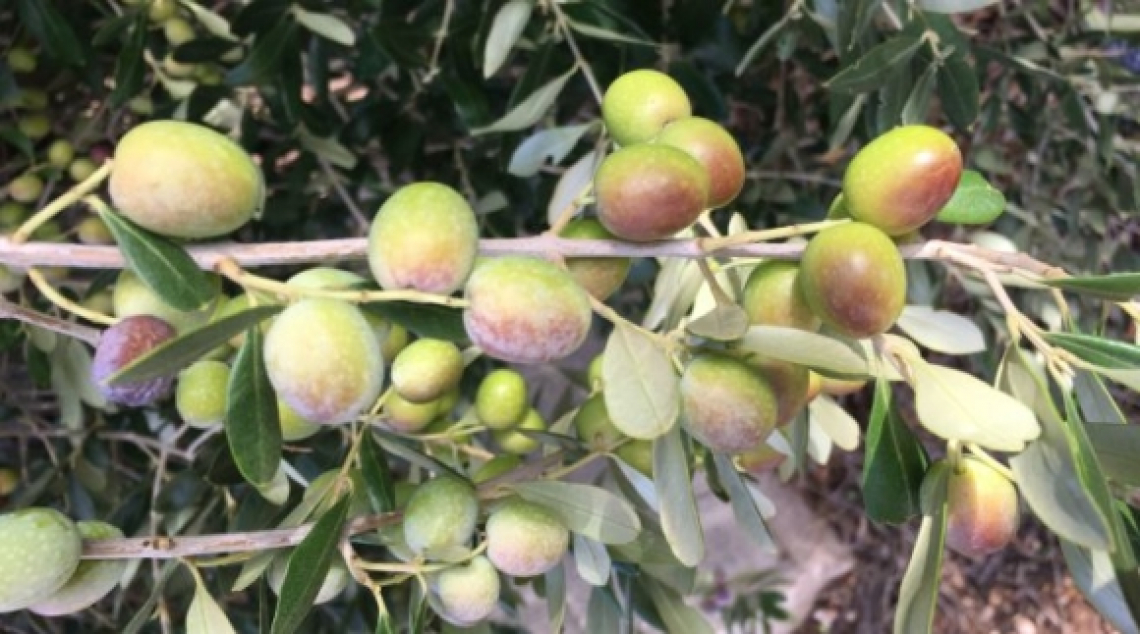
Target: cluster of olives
{"points": [[671, 166], [40, 566]]}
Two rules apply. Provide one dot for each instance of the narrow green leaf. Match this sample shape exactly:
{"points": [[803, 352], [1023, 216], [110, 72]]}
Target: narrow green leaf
{"points": [[589, 510], [506, 29], [51, 30], [958, 91], [162, 265], [918, 101], [958, 406], [377, 476], [603, 612], [1116, 449], [204, 616], [894, 465], [918, 593], [744, 506], [1097, 405], [853, 19], [130, 67], [426, 320], [954, 6], [869, 71], [975, 202], [308, 565], [1047, 472], [397, 446], [592, 560], [180, 352], [550, 145], [263, 63], [1116, 286], [252, 424], [599, 33], [555, 586], [642, 390], [813, 350], [727, 322], [680, 520], [1099, 351], [531, 109], [760, 44], [677, 615], [1092, 573], [325, 25]]}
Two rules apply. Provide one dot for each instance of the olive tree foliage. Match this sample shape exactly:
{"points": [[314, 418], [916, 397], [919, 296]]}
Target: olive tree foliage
{"points": [[1017, 343]]}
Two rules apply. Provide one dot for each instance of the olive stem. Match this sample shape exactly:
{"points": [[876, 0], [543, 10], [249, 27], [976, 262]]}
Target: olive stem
{"points": [[583, 63], [208, 256], [65, 200], [232, 271], [58, 299], [767, 235], [994, 463], [9, 310]]}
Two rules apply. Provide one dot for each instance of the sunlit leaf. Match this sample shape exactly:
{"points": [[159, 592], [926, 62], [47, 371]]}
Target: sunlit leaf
{"points": [[918, 594], [957, 406], [531, 109], [642, 390], [810, 349], [941, 331], [508, 26], [680, 520], [550, 145], [589, 510]]}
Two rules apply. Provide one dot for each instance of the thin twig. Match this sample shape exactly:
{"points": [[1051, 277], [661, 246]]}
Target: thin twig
{"points": [[9, 310]]}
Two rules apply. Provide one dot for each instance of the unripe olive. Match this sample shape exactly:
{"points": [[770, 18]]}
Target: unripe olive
{"points": [[448, 401], [326, 278], [638, 105], [218, 189], [293, 426], [34, 126], [854, 279], [899, 181], [726, 405], [424, 237], [650, 192], [131, 296], [790, 383], [49, 231], [99, 302], [177, 31], [514, 441], [981, 507], [395, 338], [594, 426], [122, 343], [837, 210], [762, 459], [323, 359], [162, 10], [466, 593], [12, 214], [525, 310], [92, 580], [594, 373], [403, 415], [427, 369], [440, 517], [21, 60], [772, 297], [81, 169], [496, 467], [92, 230], [25, 188], [638, 454], [39, 552], [715, 149], [599, 276], [501, 400], [33, 99], [336, 580], [525, 539], [60, 153], [200, 396]]}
